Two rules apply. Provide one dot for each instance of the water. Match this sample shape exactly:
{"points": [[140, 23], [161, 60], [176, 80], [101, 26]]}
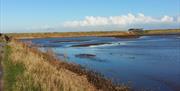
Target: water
{"points": [[149, 62]]}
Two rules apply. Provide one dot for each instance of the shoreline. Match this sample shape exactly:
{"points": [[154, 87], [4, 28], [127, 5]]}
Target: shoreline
{"points": [[22, 52], [19, 53], [116, 34]]}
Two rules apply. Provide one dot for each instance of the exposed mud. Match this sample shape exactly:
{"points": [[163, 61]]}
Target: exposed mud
{"points": [[85, 55], [91, 57], [89, 44], [61, 41]]}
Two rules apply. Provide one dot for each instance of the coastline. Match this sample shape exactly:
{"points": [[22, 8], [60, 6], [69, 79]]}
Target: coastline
{"points": [[116, 34], [24, 53], [32, 63]]}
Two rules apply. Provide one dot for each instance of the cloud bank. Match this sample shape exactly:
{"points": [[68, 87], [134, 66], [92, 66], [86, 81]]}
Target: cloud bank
{"points": [[98, 23], [123, 20]]}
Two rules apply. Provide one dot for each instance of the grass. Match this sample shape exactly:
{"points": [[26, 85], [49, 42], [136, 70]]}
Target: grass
{"points": [[124, 34], [14, 78], [67, 34], [11, 70], [1, 39], [28, 69], [156, 32]]}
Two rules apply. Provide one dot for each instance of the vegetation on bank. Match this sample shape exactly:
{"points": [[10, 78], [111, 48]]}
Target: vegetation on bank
{"points": [[159, 32], [38, 75], [123, 34], [67, 34], [11, 71], [28, 69]]}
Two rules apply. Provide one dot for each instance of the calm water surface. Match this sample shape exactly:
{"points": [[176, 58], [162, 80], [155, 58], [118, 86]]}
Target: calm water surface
{"points": [[148, 62]]}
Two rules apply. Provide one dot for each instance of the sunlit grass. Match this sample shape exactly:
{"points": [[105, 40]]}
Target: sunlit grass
{"points": [[11, 70], [28, 71], [170, 31]]}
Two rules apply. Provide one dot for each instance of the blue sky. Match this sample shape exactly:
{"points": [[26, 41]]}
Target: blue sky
{"points": [[60, 15]]}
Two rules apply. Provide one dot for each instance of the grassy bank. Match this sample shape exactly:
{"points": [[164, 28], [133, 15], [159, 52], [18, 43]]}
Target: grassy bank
{"points": [[123, 34], [28, 69], [69, 34], [161, 32], [11, 71]]}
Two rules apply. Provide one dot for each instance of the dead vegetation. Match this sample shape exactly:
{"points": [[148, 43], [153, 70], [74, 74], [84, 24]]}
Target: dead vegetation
{"points": [[117, 34], [45, 72], [69, 34]]}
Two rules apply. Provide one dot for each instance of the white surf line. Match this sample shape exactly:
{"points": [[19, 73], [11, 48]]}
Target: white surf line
{"points": [[112, 44]]}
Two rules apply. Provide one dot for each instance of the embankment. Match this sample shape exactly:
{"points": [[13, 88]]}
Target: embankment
{"points": [[161, 32], [118, 34], [69, 34], [28, 69]]}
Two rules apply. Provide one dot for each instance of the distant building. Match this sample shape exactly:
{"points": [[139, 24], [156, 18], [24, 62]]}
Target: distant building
{"points": [[138, 30]]}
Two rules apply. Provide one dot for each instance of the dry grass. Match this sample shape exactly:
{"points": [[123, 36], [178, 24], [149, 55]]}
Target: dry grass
{"points": [[122, 34], [44, 72], [39, 75], [156, 32], [68, 34]]}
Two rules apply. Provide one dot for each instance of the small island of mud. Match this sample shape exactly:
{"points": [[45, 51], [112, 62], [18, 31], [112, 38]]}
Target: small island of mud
{"points": [[61, 41], [89, 44], [91, 57], [85, 55]]}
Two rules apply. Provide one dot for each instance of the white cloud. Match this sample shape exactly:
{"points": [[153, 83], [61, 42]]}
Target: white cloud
{"points": [[167, 19], [123, 20], [178, 19]]}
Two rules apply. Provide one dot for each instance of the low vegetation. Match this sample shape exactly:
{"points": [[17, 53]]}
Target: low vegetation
{"points": [[11, 71], [69, 34], [38, 75], [161, 32], [28, 69], [118, 34]]}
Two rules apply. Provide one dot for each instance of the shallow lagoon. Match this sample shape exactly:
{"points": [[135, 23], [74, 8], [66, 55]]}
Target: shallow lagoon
{"points": [[149, 62]]}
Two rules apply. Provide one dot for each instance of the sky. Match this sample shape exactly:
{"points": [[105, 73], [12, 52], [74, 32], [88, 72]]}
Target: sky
{"points": [[87, 15]]}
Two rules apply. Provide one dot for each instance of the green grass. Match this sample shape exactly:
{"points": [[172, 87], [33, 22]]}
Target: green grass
{"points": [[11, 71]]}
